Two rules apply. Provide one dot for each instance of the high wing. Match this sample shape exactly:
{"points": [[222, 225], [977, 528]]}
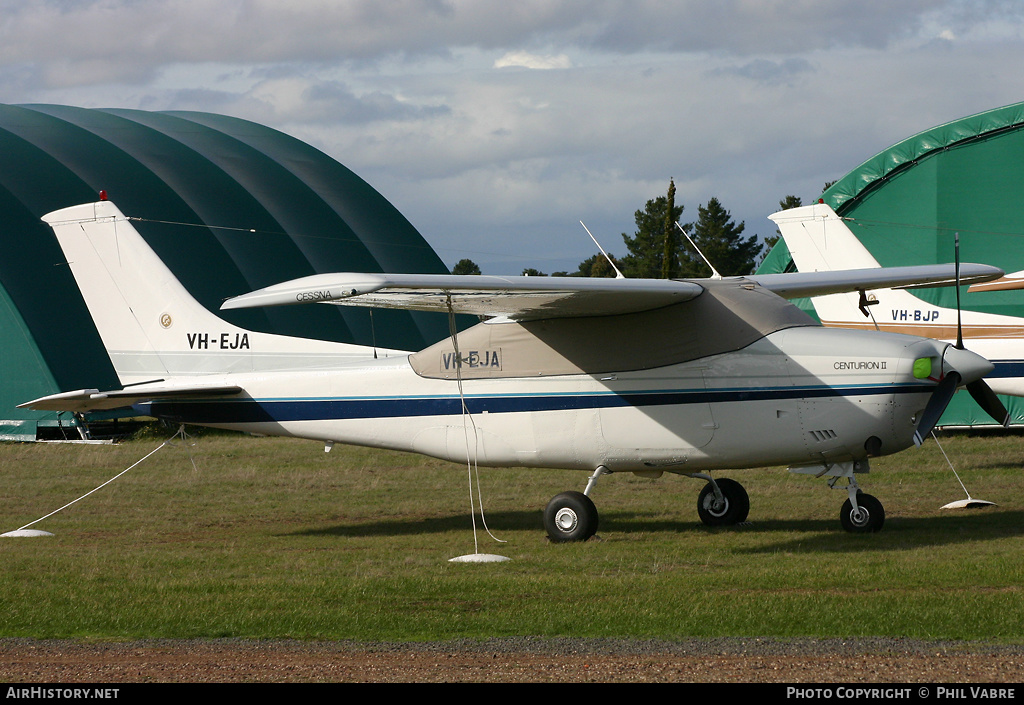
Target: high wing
{"points": [[526, 298], [516, 298], [791, 285]]}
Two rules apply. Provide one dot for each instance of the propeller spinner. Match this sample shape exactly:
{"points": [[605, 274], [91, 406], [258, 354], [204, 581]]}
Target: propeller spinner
{"points": [[959, 367]]}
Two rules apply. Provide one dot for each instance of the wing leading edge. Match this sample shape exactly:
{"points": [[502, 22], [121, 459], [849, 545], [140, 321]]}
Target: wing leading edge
{"points": [[516, 298], [791, 285]]}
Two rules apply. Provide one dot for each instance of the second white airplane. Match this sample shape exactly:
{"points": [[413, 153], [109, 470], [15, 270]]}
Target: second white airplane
{"points": [[820, 241]]}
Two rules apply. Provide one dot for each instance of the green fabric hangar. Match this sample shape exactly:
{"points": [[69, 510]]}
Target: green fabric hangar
{"points": [[906, 204], [229, 205]]}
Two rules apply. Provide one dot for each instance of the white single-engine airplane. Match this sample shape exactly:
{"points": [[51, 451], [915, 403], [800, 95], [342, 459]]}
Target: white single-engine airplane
{"points": [[603, 375], [820, 241]]}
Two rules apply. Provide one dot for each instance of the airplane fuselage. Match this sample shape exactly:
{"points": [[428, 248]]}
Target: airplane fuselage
{"points": [[989, 335], [798, 396]]}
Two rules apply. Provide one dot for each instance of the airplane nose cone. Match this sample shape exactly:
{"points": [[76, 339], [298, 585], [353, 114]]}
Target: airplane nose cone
{"points": [[971, 366]]}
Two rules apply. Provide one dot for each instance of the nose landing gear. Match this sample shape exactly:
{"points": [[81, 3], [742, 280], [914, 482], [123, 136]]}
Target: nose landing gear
{"points": [[862, 514]]}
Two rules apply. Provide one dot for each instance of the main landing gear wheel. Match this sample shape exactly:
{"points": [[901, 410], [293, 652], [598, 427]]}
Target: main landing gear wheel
{"points": [[732, 508], [867, 518], [570, 516]]}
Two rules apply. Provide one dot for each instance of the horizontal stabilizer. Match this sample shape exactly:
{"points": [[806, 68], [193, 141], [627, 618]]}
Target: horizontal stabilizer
{"points": [[84, 400]]}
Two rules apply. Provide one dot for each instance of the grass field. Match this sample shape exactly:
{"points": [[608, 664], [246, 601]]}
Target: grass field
{"points": [[274, 538]]}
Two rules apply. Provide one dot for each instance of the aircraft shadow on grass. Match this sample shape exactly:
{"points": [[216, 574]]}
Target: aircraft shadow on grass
{"points": [[902, 533], [815, 535], [403, 526]]}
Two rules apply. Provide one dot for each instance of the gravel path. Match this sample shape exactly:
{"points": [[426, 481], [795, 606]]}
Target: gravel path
{"points": [[512, 660]]}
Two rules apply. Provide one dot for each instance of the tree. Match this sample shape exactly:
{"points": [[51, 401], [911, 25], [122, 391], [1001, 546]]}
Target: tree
{"points": [[531, 272], [719, 238], [653, 238], [790, 202], [465, 266], [770, 242], [669, 260], [597, 266], [784, 205]]}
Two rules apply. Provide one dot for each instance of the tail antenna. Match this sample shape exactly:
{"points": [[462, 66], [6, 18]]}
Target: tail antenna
{"points": [[714, 272], [618, 274]]}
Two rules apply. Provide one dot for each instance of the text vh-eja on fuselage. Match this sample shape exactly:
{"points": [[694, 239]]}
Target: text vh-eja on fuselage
{"points": [[603, 375]]}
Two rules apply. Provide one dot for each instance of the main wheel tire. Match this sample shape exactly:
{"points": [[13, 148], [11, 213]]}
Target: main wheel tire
{"points": [[570, 516], [733, 509], [868, 518]]}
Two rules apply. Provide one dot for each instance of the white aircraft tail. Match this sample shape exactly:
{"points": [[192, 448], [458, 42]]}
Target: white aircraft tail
{"points": [[150, 325], [819, 241]]}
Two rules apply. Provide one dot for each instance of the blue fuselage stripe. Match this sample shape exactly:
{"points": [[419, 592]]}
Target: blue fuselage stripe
{"points": [[280, 410], [1006, 368]]}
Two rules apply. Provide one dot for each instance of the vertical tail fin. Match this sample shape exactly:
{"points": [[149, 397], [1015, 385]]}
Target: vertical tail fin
{"points": [[819, 240], [150, 325]]}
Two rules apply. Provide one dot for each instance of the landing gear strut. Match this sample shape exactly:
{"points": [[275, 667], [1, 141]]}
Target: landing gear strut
{"points": [[864, 517], [572, 516], [722, 502], [861, 513]]}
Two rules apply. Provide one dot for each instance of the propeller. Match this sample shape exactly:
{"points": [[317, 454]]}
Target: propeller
{"points": [[989, 402], [936, 406], [977, 388]]}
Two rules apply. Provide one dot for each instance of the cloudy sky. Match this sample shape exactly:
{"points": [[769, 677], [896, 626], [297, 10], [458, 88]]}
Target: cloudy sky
{"points": [[497, 126]]}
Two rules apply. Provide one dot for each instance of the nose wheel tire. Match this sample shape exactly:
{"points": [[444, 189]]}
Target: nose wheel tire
{"points": [[570, 516], [731, 509], [867, 518]]}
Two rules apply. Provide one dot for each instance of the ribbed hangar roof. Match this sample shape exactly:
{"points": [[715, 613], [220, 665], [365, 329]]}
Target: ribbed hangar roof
{"points": [[229, 205], [907, 202]]}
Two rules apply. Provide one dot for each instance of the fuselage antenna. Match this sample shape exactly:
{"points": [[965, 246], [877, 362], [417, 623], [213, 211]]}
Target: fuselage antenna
{"points": [[714, 272], [618, 274]]}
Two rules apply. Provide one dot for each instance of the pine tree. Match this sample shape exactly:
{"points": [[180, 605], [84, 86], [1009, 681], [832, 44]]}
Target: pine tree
{"points": [[597, 266], [784, 205], [646, 257], [719, 238]]}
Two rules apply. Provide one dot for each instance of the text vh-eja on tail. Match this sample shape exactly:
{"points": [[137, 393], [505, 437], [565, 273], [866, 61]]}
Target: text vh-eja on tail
{"points": [[602, 375]]}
